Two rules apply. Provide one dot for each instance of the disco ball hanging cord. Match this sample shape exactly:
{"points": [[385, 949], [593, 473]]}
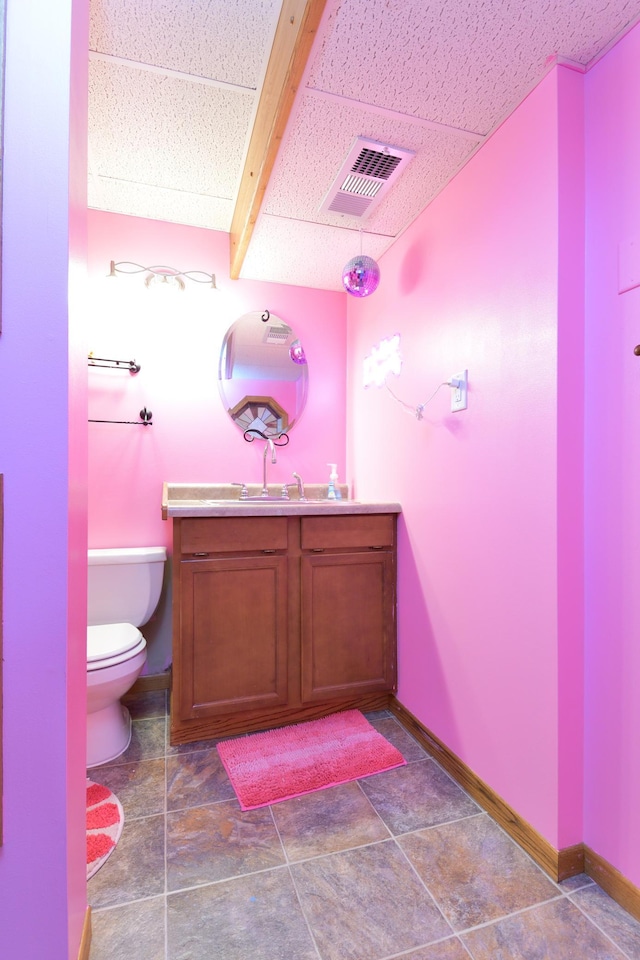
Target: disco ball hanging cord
{"points": [[361, 275]]}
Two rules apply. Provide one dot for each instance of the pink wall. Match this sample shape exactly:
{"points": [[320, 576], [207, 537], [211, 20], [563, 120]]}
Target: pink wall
{"points": [[176, 338], [43, 459], [485, 642], [612, 795]]}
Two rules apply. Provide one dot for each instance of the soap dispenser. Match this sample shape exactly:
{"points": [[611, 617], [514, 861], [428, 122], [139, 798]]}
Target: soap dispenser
{"points": [[333, 493]]}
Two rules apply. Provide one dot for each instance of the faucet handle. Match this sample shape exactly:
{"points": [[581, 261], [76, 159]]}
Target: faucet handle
{"points": [[285, 490], [300, 486], [244, 493]]}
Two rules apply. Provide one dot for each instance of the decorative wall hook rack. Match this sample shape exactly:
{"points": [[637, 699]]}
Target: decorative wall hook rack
{"points": [[163, 274], [129, 365], [279, 440], [144, 421]]}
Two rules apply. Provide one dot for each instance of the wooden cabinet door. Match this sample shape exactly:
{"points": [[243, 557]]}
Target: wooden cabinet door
{"points": [[348, 624], [233, 635]]}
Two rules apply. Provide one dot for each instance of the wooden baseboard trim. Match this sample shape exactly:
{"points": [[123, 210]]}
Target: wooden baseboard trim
{"points": [[85, 941], [544, 854], [570, 861], [612, 882], [156, 681]]}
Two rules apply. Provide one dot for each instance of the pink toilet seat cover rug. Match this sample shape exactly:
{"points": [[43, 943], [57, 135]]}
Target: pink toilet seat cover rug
{"points": [[105, 819]]}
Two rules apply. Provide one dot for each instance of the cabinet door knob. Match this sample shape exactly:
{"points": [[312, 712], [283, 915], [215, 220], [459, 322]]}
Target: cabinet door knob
{"points": [[268, 551], [317, 549], [380, 547], [201, 554]]}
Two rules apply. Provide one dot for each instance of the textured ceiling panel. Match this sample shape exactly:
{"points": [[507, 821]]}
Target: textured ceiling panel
{"points": [[156, 203], [224, 40], [305, 254], [320, 139], [432, 76], [147, 128], [465, 63]]}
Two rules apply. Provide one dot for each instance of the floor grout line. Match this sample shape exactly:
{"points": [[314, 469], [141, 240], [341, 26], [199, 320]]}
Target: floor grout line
{"points": [[598, 927]]}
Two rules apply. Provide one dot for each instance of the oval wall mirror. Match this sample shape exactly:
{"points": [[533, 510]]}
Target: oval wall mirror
{"points": [[263, 375]]}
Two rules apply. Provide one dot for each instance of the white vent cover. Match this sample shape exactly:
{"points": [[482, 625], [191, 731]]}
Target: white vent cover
{"points": [[366, 176], [279, 333]]}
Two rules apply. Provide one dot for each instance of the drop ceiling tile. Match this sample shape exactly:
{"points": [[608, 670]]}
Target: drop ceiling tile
{"points": [[321, 136], [156, 203], [226, 40], [166, 132], [305, 254], [465, 63]]}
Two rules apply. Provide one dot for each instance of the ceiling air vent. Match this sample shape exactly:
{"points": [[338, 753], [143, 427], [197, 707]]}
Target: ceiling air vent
{"points": [[365, 177], [277, 333]]}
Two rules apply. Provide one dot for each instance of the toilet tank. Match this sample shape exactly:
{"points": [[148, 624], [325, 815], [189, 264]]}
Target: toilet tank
{"points": [[124, 584]]}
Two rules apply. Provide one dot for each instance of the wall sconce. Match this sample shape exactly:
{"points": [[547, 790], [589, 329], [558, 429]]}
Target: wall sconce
{"points": [[163, 274]]}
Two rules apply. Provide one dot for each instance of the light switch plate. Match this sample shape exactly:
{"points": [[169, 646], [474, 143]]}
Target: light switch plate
{"points": [[459, 393]]}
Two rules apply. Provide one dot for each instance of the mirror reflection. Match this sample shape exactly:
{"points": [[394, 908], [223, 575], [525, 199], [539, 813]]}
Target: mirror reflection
{"points": [[263, 375]]}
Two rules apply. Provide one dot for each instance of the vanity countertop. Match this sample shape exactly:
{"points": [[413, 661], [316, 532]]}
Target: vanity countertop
{"points": [[223, 500]]}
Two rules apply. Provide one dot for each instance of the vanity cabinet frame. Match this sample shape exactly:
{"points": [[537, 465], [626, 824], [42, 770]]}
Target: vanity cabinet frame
{"points": [[278, 620]]}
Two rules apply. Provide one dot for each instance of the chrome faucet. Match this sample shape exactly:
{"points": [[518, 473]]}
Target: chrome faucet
{"points": [[268, 445]]}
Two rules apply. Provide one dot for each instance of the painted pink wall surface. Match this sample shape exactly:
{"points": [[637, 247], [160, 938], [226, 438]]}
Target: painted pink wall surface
{"points": [[43, 459], [474, 284], [612, 791], [176, 337]]}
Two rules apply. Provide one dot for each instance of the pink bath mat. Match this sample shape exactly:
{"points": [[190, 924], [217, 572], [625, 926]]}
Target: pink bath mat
{"points": [[105, 819], [280, 764]]}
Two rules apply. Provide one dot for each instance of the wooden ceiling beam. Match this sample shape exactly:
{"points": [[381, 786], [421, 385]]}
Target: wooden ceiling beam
{"points": [[297, 27]]}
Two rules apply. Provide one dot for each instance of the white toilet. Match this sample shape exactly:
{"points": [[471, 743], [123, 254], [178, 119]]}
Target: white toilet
{"points": [[124, 586]]}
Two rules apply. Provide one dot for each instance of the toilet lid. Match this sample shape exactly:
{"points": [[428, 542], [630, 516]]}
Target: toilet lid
{"points": [[111, 639]]}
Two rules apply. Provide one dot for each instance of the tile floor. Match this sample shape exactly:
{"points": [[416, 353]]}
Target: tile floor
{"points": [[402, 864]]}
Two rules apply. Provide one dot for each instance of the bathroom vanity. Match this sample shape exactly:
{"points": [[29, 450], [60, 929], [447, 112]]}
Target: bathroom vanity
{"points": [[282, 611]]}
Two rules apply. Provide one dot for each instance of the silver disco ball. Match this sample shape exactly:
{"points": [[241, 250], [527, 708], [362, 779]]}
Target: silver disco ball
{"points": [[361, 276]]}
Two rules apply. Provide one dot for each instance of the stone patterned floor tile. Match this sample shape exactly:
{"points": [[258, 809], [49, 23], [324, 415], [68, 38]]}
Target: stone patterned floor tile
{"points": [[143, 706], [553, 931], [475, 872], [134, 930], [611, 918], [218, 842], [148, 739], [372, 715], [135, 869], [360, 894], [251, 918], [140, 786], [418, 795], [451, 949], [575, 883], [366, 904], [196, 778], [178, 748], [327, 821], [401, 740]]}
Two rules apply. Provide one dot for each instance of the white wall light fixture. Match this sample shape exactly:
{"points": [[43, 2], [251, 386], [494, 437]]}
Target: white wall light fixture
{"points": [[161, 274], [383, 359]]}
